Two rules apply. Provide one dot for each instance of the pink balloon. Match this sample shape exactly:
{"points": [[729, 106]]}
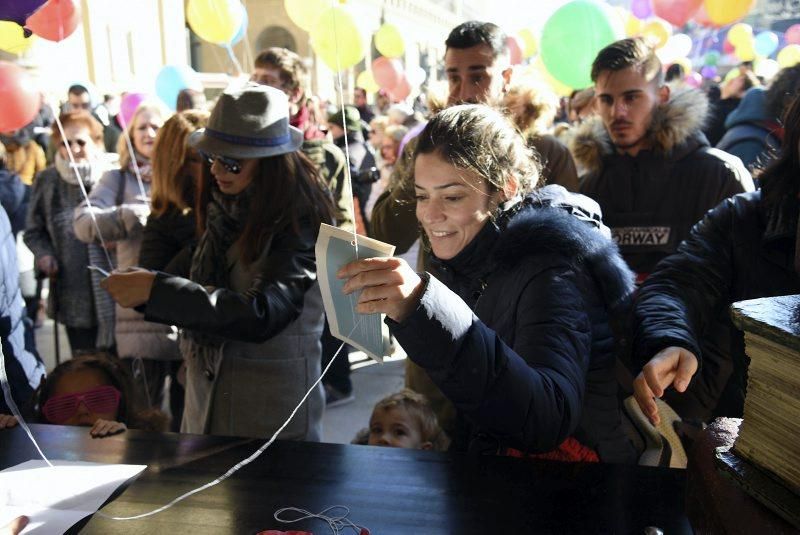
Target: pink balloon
{"points": [[793, 35], [127, 107], [514, 49], [387, 72], [56, 20], [19, 98], [401, 91], [676, 12], [694, 80]]}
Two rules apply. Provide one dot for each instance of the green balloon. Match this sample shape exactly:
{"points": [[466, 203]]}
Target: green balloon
{"points": [[572, 37], [711, 58]]}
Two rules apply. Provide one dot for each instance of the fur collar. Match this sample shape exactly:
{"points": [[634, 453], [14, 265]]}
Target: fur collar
{"points": [[674, 123], [542, 230]]}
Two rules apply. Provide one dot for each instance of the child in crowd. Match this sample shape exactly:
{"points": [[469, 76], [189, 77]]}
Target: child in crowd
{"points": [[404, 420], [89, 391]]}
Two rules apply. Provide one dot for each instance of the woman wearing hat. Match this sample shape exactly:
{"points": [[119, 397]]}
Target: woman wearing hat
{"points": [[251, 310]]}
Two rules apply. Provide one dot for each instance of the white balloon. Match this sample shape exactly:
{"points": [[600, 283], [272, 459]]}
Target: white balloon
{"points": [[415, 76]]}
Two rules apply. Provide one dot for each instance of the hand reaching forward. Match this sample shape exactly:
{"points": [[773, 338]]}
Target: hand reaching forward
{"points": [[105, 428], [129, 288], [388, 286], [7, 420], [15, 526], [671, 366]]}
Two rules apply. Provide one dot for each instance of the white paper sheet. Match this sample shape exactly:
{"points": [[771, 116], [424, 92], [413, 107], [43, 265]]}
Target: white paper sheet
{"points": [[56, 498], [335, 249]]}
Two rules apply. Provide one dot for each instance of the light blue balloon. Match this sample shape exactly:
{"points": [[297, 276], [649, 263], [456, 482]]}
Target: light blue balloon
{"points": [[172, 79], [766, 43], [241, 32]]}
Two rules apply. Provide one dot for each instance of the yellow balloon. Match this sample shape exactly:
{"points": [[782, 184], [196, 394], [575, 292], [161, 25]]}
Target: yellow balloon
{"points": [[733, 73], [685, 63], [366, 80], [633, 26], [389, 41], [789, 56], [530, 42], [304, 13], [722, 12], [12, 39], [746, 52], [215, 21], [657, 31], [336, 39], [740, 34]]}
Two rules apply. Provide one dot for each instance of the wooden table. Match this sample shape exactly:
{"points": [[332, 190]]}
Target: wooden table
{"points": [[387, 490]]}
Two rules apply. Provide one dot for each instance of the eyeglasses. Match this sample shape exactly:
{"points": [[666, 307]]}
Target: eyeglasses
{"points": [[76, 106], [79, 142], [229, 164], [59, 409]]}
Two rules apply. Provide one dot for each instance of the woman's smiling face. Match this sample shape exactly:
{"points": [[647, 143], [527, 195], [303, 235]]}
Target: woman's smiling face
{"points": [[453, 204]]}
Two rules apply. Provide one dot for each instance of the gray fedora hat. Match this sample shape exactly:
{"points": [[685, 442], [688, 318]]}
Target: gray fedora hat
{"points": [[249, 121]]}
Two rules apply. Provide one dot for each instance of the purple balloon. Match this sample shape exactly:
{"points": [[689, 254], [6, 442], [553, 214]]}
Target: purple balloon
{"points": [[127, 107], [19, 10], [708, 71], [641, 9]]}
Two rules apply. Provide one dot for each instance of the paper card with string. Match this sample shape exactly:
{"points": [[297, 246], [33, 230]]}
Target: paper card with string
{"points": [[335, 248]]}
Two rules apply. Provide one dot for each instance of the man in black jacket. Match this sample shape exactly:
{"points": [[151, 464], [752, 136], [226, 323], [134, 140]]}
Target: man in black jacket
{"points": [[648, 164], [744, 248]]}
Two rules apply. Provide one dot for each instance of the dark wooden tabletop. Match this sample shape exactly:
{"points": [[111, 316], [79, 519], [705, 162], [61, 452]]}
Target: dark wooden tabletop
{"points": [[387, 490]]}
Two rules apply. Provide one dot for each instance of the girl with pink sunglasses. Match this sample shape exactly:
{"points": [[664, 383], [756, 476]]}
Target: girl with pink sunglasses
{"points": [[89, 391]]}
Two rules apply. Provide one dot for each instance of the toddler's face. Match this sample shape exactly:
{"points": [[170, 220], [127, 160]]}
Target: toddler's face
{"points": [[394, 427]]}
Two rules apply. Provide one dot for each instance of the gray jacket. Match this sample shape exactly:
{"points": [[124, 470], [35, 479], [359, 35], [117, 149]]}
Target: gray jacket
{"points": [[121, 212], [49, 232]]}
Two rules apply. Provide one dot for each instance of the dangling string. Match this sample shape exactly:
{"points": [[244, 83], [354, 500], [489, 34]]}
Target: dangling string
{"points": [[13, 406], [233, 59], [337, 523], [243, 463]]}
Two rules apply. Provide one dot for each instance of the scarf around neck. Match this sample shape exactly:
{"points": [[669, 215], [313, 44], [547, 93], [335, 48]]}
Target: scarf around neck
{"points": [[89, 172], [226, 219], [143, 163]]}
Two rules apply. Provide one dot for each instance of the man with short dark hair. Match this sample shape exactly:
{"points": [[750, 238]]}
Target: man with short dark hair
{"points": [[648, 164], [361, 104], [79, 98]]}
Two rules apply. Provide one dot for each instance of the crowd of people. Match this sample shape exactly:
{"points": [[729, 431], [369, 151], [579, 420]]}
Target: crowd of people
{"points": [[554, 257]]}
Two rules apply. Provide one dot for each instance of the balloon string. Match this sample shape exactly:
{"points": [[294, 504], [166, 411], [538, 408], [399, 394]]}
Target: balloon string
{"points": [[348, 176], [233, 59]]}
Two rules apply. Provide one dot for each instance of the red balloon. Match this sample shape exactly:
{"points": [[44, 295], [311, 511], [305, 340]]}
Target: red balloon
{"points": [[401, 91], [676, 12], [56, 20], [514, 49], [387, 72], [727, 47], [19, 97]]}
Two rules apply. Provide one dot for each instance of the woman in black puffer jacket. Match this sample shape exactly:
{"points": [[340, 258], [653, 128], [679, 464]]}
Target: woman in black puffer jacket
{"points": [[515, 328]]}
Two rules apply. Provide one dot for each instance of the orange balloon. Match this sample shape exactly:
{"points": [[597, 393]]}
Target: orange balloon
{"points": [[56, 20], [19, 98]]}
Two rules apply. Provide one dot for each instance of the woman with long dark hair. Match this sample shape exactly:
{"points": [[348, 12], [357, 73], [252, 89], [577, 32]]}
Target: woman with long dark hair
{"points": [[745, 248], [251, 310]]}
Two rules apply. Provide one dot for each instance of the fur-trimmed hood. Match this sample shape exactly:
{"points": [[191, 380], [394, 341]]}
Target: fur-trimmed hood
{"points": [[568, 224], [676, 125]]}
